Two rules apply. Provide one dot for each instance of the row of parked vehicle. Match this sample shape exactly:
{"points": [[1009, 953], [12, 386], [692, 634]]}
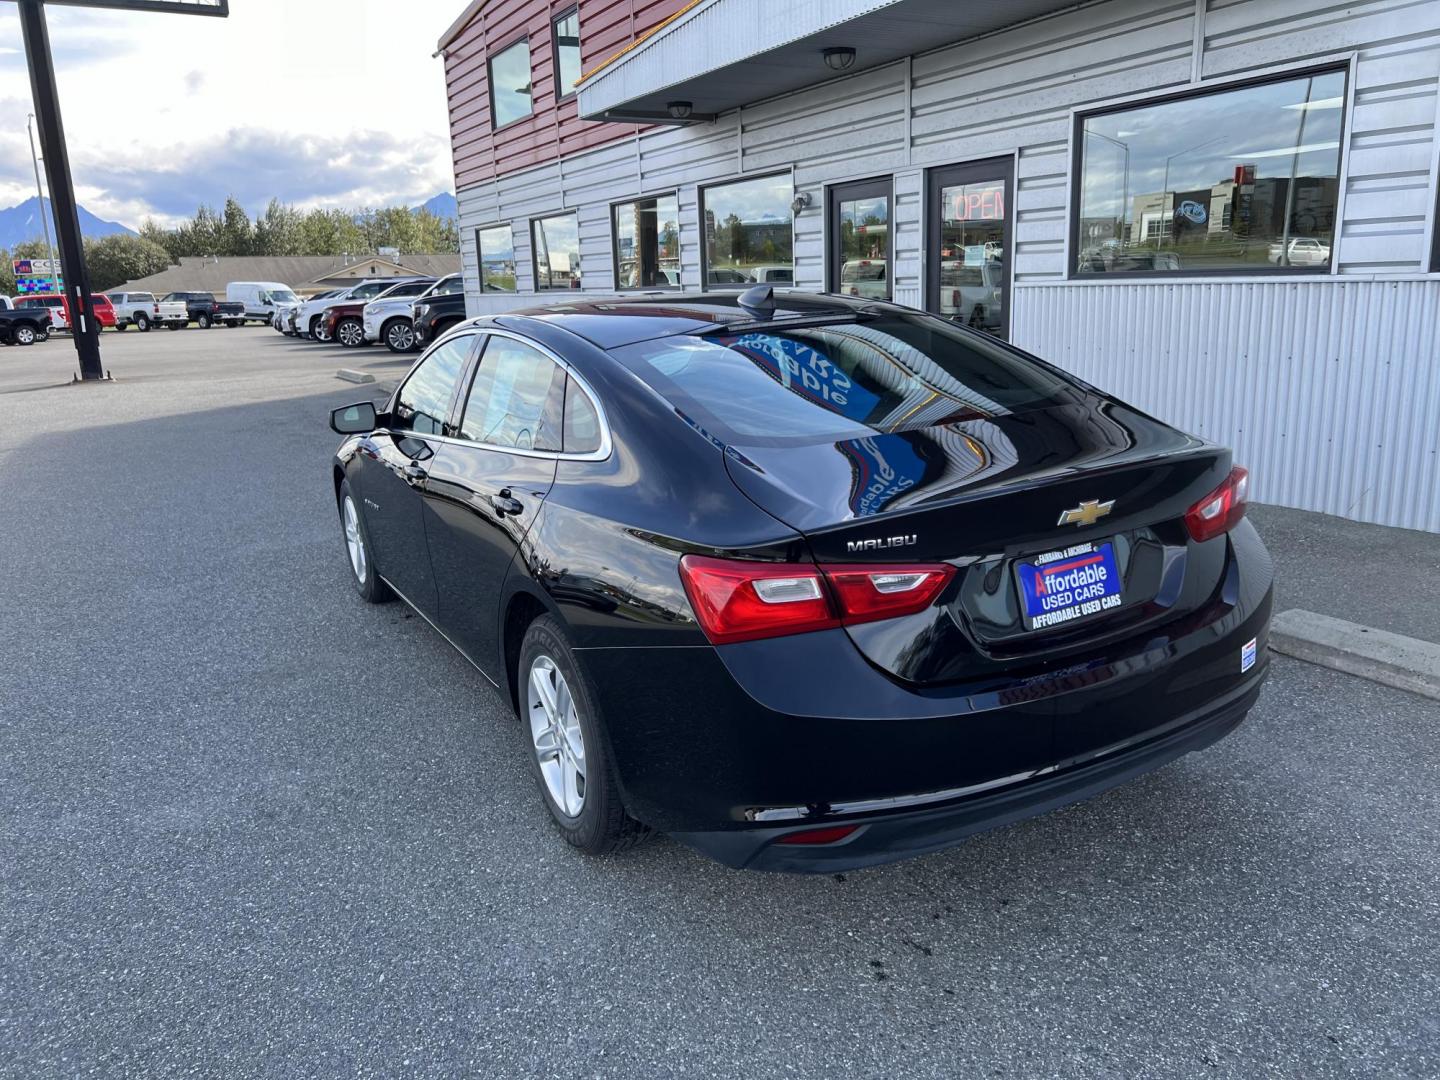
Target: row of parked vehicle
{"points": [[404, 313]]}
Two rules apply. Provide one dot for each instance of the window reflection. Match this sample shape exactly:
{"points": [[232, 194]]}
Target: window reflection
{"points": [[864, 235], [1239, 179], [557, 252], [647, 243], [972, 254], [496, 247], [510, 91], [749, 232]]}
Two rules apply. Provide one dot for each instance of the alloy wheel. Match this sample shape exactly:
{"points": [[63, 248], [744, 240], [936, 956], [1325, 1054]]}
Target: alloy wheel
{"points": [[555, 731], [401, 337], [355, 541], [25, 336], [351, 334]]}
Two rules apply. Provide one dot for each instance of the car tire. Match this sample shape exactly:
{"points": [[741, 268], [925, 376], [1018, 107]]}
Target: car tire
{"points": [[355, 535], [122, 326], [317, 330], [398, 335], [25, 335], [142, 323], [568, 753], [441, 329], [233, 323], [42, 335], [203, 322], [173, 326], [350, 332]]}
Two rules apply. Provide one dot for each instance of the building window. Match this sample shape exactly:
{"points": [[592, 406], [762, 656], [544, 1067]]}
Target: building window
{"points": [[1242, 179], [647, 243], [511, 98], [749, 232], [557, 252], [565, 39], [496, 251]]}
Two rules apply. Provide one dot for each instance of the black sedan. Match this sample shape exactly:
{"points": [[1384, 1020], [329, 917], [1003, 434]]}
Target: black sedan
{"points": [[807, 582]]}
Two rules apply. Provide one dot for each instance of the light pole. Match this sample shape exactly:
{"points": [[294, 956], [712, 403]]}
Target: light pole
{"points": [[1165, 190], [44, 214], [1125, 196]]}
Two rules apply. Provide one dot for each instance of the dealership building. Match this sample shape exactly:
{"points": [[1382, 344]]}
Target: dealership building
{"points": [[1222, 211]]}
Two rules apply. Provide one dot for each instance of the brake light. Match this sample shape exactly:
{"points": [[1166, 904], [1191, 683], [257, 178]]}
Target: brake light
{"points": [[738, 600], [1221, 510]]}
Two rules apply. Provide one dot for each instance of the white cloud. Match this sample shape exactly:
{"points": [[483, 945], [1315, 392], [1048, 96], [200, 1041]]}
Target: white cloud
{"points": [[320, 102]]}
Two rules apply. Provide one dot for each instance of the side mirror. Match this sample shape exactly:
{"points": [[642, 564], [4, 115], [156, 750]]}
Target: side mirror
{"points": [[354, 419]]}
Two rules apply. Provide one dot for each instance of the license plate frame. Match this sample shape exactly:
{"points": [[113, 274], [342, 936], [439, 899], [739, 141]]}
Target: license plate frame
{"points": [[1089, 573]]}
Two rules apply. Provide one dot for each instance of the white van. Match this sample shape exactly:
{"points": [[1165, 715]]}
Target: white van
{"points": [[260, 298]]}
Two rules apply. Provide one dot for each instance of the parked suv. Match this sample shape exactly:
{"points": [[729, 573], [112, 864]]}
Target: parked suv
{"points": [[436, 314], [142, 311], [309, 320], [391, 318]]}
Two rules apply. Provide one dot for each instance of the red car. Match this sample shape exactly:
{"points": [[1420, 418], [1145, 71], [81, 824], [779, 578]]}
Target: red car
{"points": [[99, 303], [345, 323]]}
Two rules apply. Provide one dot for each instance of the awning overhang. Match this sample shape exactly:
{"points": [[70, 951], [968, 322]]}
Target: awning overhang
{"points": [[721, 55]]}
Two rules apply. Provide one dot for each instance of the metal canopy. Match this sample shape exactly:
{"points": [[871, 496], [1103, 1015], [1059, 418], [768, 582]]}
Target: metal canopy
{"points": [[730, 53]]}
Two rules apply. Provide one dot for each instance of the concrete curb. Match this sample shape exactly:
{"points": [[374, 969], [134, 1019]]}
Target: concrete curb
{"points": [[351, 375], [1403, 662]]}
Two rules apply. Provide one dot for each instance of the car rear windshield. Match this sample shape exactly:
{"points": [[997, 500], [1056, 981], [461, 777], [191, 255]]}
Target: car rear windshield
{"points": [[852, 379]]}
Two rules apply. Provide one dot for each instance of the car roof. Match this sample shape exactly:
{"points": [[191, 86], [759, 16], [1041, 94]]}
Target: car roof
{"points": [[612, 321]]}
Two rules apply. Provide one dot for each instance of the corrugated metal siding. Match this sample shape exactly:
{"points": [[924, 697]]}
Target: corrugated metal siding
{"points": [[479, 151], [1329, 391]]}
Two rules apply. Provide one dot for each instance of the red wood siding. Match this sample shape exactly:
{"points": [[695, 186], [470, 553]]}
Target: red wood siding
{"points": [[480, 152]]}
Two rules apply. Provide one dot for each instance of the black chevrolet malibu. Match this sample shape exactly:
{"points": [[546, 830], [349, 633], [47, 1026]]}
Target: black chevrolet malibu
{"points": [[807, 582]]}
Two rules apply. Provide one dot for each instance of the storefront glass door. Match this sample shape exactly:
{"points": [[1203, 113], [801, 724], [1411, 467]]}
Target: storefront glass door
{"points": [[859, 239], [970, 243]]}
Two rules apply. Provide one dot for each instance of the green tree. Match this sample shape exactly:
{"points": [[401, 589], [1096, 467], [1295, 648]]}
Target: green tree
{"points": [[7, 273], [279, 231], [237, 233], [114, 260]]}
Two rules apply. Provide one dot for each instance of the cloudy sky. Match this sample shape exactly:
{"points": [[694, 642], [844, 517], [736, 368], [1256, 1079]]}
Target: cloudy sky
{"points": [[315, 102]]}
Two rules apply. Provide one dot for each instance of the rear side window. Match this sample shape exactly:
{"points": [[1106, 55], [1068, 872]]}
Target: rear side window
{"points": [[141, 298], [424, 401], [516, 398], [582, 422], [849, 380]]}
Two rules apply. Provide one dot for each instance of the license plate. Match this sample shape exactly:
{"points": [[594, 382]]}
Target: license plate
{"points": [[1059, 587]]}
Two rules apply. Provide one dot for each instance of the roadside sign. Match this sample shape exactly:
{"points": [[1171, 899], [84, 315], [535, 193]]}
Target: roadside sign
{"points": [[37, 267]]}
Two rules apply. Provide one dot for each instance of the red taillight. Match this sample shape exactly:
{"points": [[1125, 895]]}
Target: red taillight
{"points": [[1221, 510], [736, 600], [832, 834], [867, 593]]}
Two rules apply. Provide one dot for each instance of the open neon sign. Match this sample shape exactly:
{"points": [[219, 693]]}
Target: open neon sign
{"points": [[982, 204]]}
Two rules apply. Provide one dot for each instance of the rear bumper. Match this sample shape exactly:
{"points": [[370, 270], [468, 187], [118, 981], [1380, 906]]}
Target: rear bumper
{"points": [[944, 820]]}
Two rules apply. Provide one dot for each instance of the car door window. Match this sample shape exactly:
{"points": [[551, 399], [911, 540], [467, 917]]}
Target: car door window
{"points": [[516, 399], [423, 402], [582, 422]]}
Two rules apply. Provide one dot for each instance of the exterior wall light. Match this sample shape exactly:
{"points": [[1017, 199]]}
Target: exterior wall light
{"points": [[679, 110], [838, 59], [800, 202]]}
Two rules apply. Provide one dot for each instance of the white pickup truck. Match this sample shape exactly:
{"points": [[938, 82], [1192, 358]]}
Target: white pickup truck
{"points": [[142, 311]]}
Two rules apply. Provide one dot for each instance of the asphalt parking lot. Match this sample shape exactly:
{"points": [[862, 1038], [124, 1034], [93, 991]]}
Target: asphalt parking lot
{"points": [[250, 825]]}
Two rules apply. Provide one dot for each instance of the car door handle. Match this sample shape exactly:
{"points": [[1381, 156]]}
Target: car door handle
{"points": [[414, 471], [505, 503]]}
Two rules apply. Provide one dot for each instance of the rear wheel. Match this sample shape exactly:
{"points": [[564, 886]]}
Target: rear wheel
{"points": [[567, 751], [142, 323], [357, 548], [122, 326], [203, 322], [25, 335], [173, 326], [350, 332], [399, 335]]}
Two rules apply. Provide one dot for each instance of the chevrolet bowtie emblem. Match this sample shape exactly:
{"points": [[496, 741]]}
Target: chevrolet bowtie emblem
{"points": [[1087, 513]]}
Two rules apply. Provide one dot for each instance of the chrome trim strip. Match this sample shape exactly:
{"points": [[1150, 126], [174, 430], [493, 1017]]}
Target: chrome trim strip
{"points": [[473, 328], [437, 629]]}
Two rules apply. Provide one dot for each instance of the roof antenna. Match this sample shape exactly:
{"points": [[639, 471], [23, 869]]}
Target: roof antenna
{"points": [[759, 301]]}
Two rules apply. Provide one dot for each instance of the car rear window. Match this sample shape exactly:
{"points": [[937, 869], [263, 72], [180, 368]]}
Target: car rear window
{"points": [[891, 373]]}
